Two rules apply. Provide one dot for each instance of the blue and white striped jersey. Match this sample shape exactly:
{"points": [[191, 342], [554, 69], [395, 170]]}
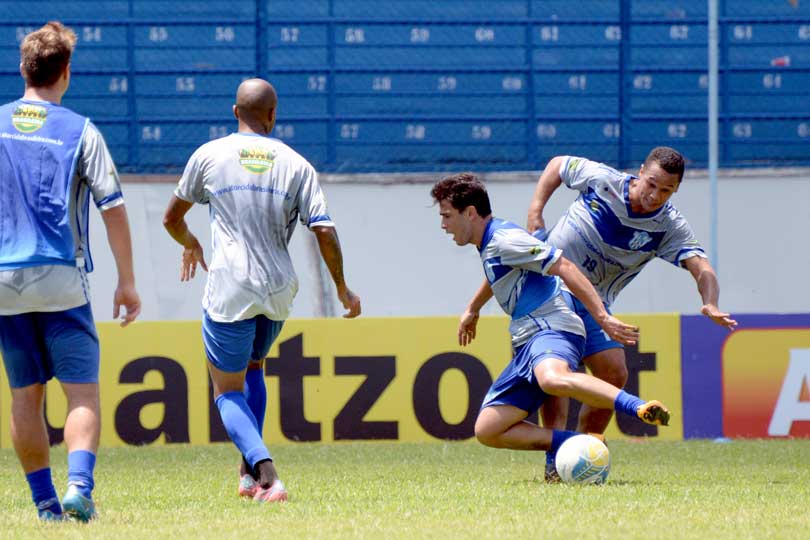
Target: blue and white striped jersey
{"points": [[609, 242], [516, 265]]}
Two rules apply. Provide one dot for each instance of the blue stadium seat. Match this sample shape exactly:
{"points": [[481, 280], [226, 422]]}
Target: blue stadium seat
{"points": [[576, 58], [604, 153], [219, 36], [196, 59], [301, 84], [675, 58], [436, 104], [674, 10], [768, 33], [215, 10], [86, 10], [297, 46], [670, 35], [579, 10], [557, 131], [429, 156], [297, 10], [116, 135], [696, 155], [576, 105], [185, 84], [762, 8], [446, 10], [670, 92], [766, 56], [419, 131], [429, 57], [427, 35], [768, 92]]}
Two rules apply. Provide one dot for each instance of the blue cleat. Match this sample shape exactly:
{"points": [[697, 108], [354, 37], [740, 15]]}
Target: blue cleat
{"points": [[78, 507], [46, 513]]}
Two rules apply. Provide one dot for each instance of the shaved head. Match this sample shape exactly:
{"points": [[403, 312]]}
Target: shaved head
{"points": [[255, 99]]}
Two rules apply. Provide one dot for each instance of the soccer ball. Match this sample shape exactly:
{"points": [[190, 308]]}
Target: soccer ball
{"points": [[583, 459]]}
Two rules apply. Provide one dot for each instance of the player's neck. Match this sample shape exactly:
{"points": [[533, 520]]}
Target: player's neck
{"points": [[480, 229], [50, 94]]}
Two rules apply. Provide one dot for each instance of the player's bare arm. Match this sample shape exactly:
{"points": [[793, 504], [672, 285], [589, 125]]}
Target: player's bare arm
{"points": [[549, 181], [582, 289], [469, 319], [709, 289], [329, 245], [175, 223], [120, 240]]}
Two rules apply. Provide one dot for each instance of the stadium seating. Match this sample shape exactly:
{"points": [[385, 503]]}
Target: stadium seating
{"points": [[435, 84]]}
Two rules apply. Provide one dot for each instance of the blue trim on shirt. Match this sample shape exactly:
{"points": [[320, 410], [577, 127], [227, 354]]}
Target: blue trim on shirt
{"points": [[613, 231], [317, 219], [109, 198]]}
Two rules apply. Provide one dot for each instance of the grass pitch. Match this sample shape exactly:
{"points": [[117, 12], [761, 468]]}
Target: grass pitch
{"points": [[656, 490]]}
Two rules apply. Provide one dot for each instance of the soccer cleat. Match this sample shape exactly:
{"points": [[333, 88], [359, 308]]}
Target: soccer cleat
{"points": [[654, 412], [275, 493], [248, 486], [78, 507], [45, 512], [552, 476]]}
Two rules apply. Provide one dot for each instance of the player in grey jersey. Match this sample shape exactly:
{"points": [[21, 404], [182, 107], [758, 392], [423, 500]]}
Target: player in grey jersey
{"points": [[256, 188], [616, 226]]}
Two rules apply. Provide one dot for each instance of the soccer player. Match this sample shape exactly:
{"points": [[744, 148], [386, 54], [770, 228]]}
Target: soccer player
{"points": [[51, 161], [256, 187], [616, 226], [548, 338]]}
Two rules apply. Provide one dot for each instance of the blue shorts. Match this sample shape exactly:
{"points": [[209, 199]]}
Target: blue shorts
{"points": [[596, 340], [230, 346], [517, 386], [38, 346]]}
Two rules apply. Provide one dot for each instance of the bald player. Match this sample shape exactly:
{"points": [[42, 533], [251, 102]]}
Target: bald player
{"points": [[256, 187]]}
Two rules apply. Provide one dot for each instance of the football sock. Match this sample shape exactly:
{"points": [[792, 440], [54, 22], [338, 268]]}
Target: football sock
{"points": [[256, 395], [558, 436], [240, 424], [80, 471], [42, 490], [627, 403], [550, 456]]}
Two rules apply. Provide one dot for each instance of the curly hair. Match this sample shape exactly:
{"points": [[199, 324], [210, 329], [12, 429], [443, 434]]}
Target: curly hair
{"points": [[463, 190]]}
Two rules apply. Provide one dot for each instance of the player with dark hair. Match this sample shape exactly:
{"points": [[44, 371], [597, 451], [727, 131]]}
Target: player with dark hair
{"points": [[256, 188], [547, 336], [51, 161], [617, 225]]}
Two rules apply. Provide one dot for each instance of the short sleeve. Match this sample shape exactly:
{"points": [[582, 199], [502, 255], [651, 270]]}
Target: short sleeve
{"points": [[191, 187], [311, 202], [96, 167], [578, 173], [679, 243], [518, 249]]}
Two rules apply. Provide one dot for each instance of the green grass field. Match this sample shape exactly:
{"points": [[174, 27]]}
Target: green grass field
{"points": [[677, 490]]}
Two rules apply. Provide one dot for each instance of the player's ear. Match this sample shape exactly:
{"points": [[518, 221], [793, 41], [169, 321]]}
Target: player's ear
{"points": [[235, 112]]}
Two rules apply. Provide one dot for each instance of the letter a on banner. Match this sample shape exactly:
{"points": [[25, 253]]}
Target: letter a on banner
{"points": [[792, 404]]}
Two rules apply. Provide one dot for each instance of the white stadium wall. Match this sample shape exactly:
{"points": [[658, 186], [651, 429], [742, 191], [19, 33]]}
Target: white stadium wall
{"points": [[402, 264]]}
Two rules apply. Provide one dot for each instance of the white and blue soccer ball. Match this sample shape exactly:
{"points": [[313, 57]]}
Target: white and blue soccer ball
{"points": [[583, 459]]}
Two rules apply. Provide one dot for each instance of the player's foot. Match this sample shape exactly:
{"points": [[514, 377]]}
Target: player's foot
{"points": [[654, 412], [78, 507], [248, 486], [552, 476], [45, 510], [274, 493]]}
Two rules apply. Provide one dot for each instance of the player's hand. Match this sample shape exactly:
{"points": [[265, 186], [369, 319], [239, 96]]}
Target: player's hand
{"points": [[191, 257], [723, 319], [541, 234], [535, 223], [350, 301], [466, 327], [127, 296], [624, 333]]}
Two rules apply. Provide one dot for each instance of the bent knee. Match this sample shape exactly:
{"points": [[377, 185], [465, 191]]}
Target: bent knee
{"points": [[487, 433], [615, 374]]}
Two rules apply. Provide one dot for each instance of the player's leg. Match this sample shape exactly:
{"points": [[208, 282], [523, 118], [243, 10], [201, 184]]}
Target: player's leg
{"points": [[504, 426], [554, 414], [610, 366], [228, 347], [256, 394], [74, 352], [27, 371], [556, 378]]}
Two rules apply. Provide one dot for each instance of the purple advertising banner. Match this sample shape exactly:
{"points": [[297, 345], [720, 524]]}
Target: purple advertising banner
{"points": [[702, 353]]}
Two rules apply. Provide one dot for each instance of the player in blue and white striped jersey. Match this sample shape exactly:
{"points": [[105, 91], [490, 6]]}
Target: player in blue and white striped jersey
{"points": [[548, 337]]}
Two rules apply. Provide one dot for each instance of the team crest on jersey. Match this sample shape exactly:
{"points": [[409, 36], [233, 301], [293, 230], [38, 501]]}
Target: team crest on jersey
{"points": [[256, 159], [639, 240], [29, 118]]}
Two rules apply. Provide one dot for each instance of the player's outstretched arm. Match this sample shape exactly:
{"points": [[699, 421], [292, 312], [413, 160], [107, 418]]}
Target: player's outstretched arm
{"points": [[709, 289], [582, 289], [175, 223], [549, 181], [469, 319], [329, 245], [118, 235]]}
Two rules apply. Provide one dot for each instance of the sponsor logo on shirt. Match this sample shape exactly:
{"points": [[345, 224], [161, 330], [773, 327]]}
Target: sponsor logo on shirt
{"points": [[256, 159], [639, 240], [29, 118]]}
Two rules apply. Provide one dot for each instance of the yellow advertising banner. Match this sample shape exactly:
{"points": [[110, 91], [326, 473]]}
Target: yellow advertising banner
{"points": [[331, 379]]}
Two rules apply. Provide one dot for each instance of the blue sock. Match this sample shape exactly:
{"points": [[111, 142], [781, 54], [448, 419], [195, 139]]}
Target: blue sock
{"points": [[256, 395], [80, 471], [627, 403], [240, 424], [558, 437], [42, 490]]}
